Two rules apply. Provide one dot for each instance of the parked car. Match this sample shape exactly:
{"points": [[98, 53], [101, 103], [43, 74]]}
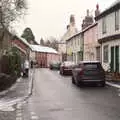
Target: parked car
{"points": [[54, 65], [88, 72], [66, 67]]}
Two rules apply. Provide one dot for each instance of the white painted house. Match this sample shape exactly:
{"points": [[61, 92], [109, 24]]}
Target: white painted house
{"points": [[71, 30], [75, 48], [109, 36]]}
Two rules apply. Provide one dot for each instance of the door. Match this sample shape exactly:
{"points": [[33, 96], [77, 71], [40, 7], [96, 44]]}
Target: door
{"points": [[116, 58], [112, 60]]}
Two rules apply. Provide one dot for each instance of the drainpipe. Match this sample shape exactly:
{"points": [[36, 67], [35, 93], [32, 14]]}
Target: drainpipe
{"points": [[101, 53]]}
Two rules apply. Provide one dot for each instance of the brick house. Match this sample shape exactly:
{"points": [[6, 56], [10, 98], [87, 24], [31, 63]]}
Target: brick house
{"points": [[22, 45], [43, 55]]}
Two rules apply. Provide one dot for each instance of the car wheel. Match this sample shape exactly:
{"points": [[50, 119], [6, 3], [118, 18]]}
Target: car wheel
{"points": [[80, 84], [73, 81], [60, 72], [76, 83], [103, 84]]}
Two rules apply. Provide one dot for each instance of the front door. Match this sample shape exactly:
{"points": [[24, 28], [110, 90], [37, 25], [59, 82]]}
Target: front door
{"points": [[114, 65], [112, 60], [116, 58]]}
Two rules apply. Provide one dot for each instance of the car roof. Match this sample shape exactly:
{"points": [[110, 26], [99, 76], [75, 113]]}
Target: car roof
{"points": [[89, 62], [68, 61]]}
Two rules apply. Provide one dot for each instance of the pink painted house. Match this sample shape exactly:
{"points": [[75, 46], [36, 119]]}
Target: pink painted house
{"points": [[52, 57], [43, 55], [91, 45]]}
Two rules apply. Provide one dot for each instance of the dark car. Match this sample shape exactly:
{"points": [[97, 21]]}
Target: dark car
{"points": [[54, 65], [88, 72], [66, 68]]}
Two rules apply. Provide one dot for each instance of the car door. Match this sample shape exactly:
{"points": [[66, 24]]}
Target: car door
{"points": [[75, 71]]}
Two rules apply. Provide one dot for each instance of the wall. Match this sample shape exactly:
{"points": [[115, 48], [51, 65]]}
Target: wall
{"points": [[110, 26], [110, 44], [52, 57], [90, 43], [74, 46], [41, 59]]}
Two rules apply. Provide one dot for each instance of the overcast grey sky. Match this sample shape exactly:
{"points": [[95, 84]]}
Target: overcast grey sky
{"points": [[50, 17]]}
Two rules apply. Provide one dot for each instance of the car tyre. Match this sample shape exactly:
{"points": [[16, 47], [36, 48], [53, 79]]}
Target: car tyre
{"points": [[60, 72], [103, 84], [77, 83], [73, 81]]}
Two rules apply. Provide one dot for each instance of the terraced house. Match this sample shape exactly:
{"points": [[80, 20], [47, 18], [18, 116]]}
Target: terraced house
{"points": [[71, 30], [75, 48], [109, 37]]}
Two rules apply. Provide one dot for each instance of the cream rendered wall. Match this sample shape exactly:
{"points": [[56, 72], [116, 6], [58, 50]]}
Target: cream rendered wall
{"points": [[90, 43], [110, 44], [32, 55], [110, 26]]}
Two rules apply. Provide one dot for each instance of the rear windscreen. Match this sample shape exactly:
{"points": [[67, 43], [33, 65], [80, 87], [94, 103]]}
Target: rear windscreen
{"points": [[92, 66], [69, 63]]}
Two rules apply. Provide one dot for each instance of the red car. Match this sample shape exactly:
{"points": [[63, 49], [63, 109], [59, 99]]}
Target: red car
{"points": [[66, 67]]}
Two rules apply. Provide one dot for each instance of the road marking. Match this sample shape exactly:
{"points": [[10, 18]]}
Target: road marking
{"points": [[18, 118], [19, 111], [32, 113], [34, 116]]}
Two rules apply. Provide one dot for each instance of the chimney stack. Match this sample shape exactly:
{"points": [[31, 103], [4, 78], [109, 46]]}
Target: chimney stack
{"points": [[97, 11]]}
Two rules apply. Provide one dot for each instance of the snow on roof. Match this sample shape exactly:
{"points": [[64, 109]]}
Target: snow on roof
{"points": [[39, 48], [24, 40]]}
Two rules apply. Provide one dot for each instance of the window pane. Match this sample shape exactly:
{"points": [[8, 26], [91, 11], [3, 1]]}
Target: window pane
{"points": [[105, 52], [117, 20], [104, 25]]}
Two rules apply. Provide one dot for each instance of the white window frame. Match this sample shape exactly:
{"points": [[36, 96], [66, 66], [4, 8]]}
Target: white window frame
{"points": [[117, 20]]}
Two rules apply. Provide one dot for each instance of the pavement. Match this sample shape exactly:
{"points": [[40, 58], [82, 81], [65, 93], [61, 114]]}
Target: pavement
{"points": [[18, 93], [112, 82]]}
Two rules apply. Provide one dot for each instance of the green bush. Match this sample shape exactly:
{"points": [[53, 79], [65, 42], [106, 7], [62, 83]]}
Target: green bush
{"points": [[14, 62], [11, 62]]}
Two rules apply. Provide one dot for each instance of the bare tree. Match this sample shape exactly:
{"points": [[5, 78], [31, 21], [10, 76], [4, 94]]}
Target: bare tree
{"points": [[10, 10]]}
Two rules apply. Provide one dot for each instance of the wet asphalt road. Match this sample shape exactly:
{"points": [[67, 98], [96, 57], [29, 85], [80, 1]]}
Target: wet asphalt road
{"points": [[56, 98]]}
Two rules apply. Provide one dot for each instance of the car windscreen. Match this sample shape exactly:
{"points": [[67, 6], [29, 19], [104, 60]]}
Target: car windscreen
{"points": [[92, 66], [69, 63]]}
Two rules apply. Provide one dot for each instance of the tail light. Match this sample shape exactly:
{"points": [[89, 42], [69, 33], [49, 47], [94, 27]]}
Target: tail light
{"points": [[81, 72], [64, 67]]}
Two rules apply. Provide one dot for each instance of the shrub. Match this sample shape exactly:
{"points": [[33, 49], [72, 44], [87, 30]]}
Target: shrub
{"points": [[11, 62]]}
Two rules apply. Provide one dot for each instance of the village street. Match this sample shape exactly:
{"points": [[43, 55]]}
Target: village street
{"points": [[54, 97]]}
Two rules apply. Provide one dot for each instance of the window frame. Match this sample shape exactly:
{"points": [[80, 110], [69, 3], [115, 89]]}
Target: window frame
{"points": [[104, 27], [116, 20], [105, 53]]}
